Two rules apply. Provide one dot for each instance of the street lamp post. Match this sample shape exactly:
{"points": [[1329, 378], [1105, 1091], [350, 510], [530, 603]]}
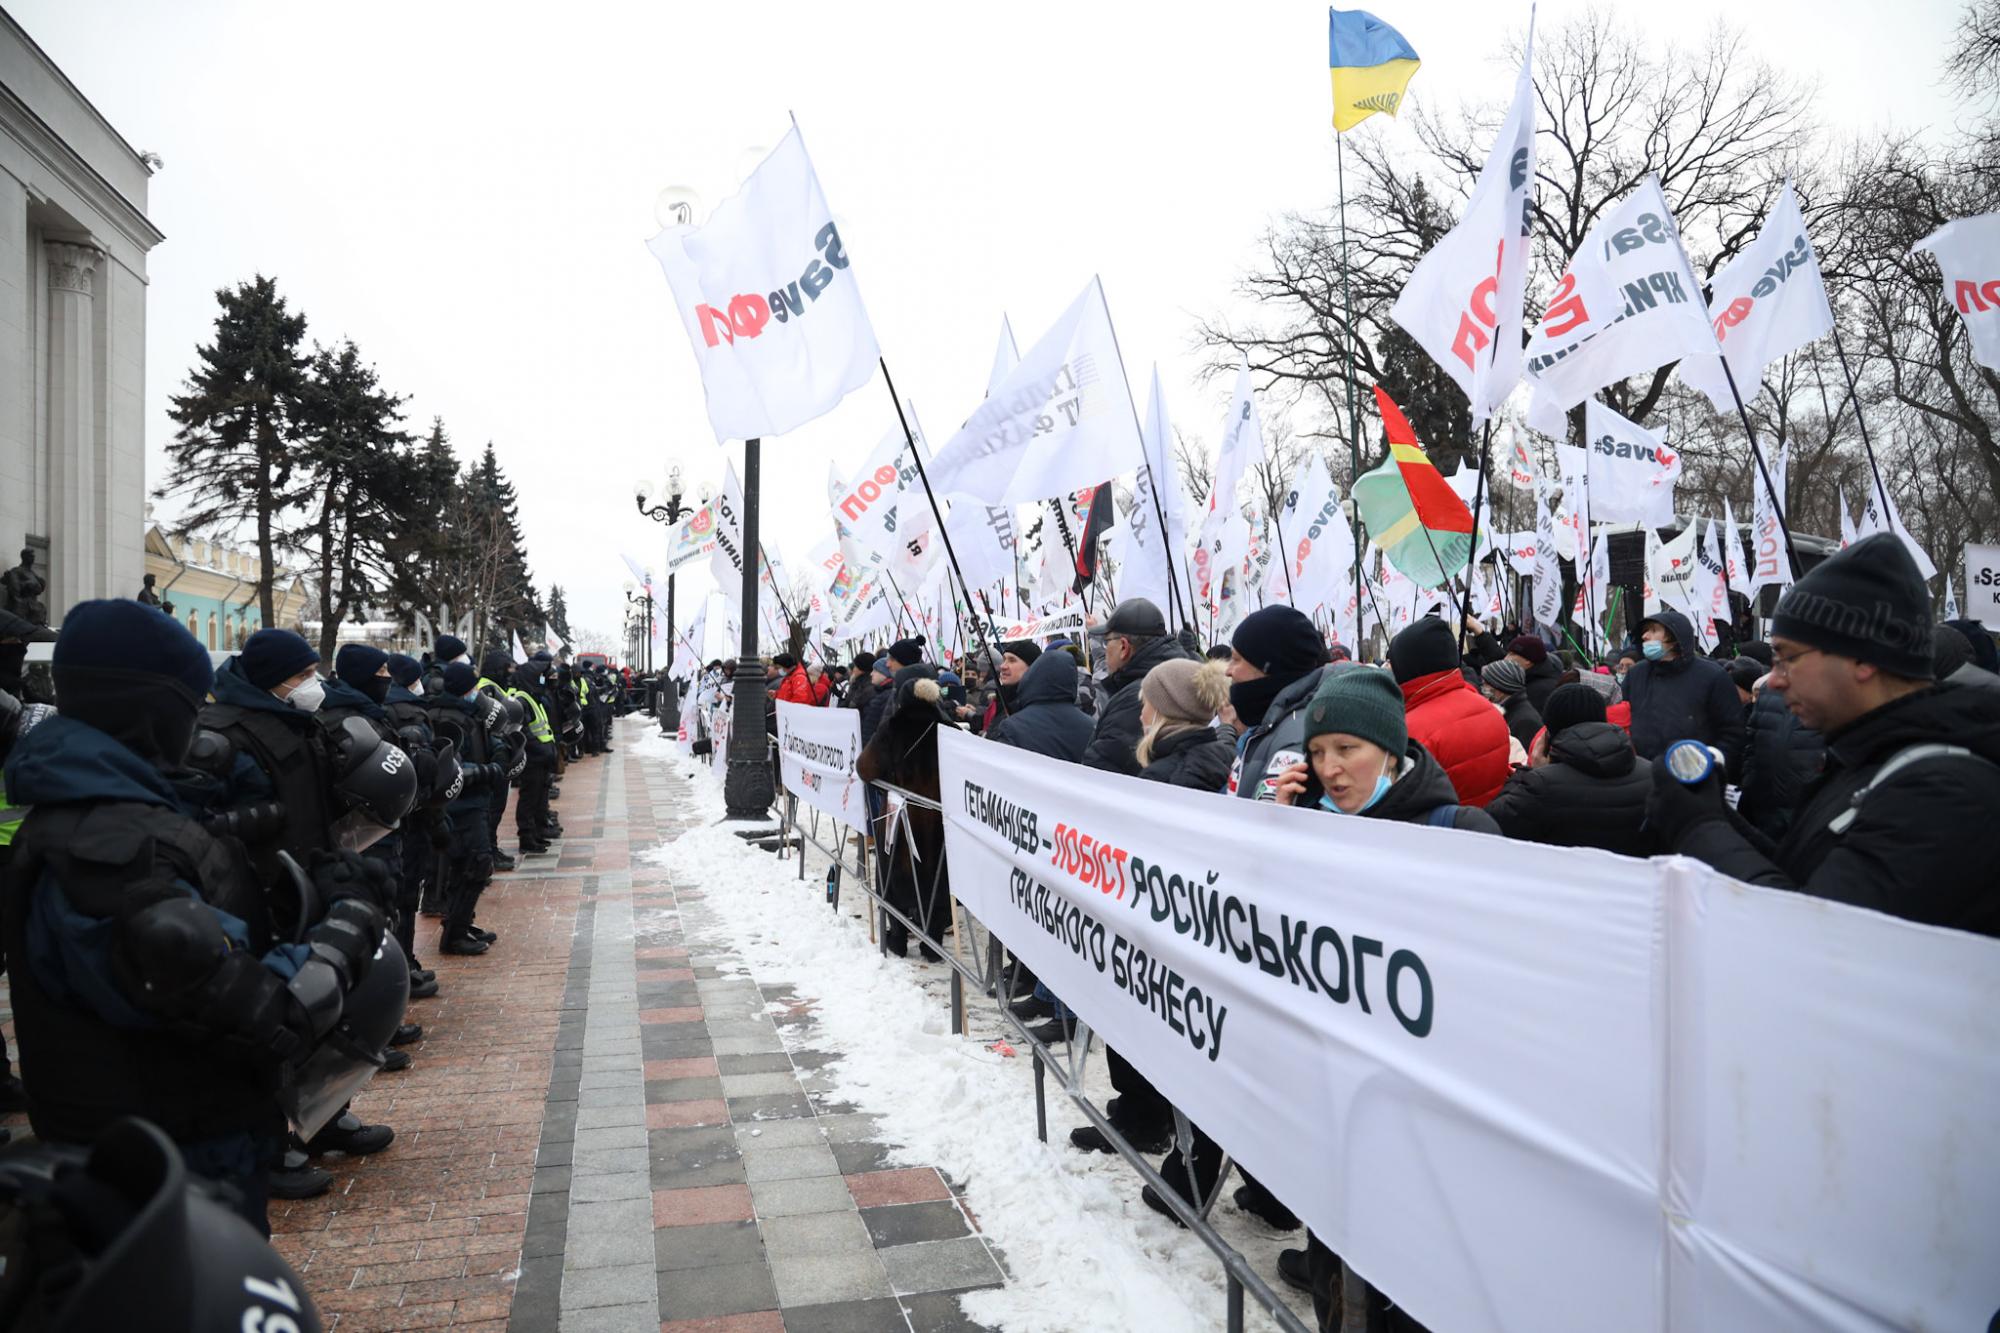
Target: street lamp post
{"points": [[669, 511]]}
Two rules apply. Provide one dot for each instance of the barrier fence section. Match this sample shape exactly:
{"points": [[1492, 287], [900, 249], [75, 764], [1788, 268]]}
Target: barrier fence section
{"points": [[975, 956]]}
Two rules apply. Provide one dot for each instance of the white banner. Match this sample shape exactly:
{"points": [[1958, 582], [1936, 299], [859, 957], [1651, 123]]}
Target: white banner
{"points": [[1144, 556], [1982, 584], [1626, 306], [1968, 256], [1770, 564], [1318, 546], [770, 304], [1870, 520], [1663, 1128], [1632, 471], [1768, 302], [817, 748], [1220, 545], [1061, 420], [1468, 289], [1037, 628], [1673, 569]]}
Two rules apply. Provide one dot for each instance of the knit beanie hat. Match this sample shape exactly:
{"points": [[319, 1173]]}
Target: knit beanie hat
{"points": [[1279, 641], [448, 648], [115, 634], [1366, 703], [1745, 672], [1985, 653], [358, 662], [1185, 691], [273, 656], [1504, 677], [1950, 650], [1568, 705], [1867, 602], [404, 669], [1023, 649], [907, 652], [1756, 650], [1424, 649], [459, 678], [1530, 647]]}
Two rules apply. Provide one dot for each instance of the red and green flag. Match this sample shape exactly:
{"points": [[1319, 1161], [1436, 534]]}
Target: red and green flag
{"points": [[1411, 511]]}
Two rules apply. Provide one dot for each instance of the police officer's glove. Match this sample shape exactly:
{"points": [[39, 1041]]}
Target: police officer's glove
{"points": [[339, 875], [347, 937], [427, 768], [1675, 809]]}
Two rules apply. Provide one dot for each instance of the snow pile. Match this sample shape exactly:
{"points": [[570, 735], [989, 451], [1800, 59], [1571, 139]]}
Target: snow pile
{"points": [[1081, 1248]]}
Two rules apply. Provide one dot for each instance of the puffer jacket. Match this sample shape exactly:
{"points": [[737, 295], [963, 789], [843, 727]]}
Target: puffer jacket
{"points": [[1780, 756], [1045, 718], [1193, 757], [798, 687], [1463, 731], [1114, 745], [1522, 718], [1682, 698], [1591, 793]]}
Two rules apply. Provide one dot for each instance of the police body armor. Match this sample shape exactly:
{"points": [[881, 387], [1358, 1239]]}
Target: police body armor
{"points": [[294, 760], [86, 1072]]}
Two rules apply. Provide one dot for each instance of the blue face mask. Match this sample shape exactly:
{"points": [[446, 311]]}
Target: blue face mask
{"points": [[1382, 785], [1653, 649]]}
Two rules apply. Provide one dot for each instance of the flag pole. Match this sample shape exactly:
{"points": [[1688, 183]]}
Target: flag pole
{"points": [[1159, 510], [1353, 424], [1478, 500], [1284, 559], [1860, 419]]}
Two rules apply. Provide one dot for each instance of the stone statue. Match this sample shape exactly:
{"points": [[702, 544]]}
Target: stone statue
{"points": [[147, 595], [21, 590]]}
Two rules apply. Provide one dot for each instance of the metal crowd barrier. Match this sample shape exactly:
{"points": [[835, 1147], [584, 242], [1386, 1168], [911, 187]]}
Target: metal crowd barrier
{"points": [[874, 858]]}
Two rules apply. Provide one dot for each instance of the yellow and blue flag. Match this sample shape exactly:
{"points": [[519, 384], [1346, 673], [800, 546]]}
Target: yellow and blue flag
{"points": [[1371, 64]]}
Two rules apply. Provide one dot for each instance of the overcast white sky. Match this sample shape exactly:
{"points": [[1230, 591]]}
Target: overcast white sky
{"points": [[465, 190]]}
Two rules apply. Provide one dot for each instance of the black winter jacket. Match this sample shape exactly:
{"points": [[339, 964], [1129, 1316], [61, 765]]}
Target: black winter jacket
{"points": [[1277, 741], [1591, 793], [1114, 745], [1046, 719], [1780, 756], [1683, 698], [1194, 757], [1543, 677], [1922, 845], [874, 707], [1523, 718]]}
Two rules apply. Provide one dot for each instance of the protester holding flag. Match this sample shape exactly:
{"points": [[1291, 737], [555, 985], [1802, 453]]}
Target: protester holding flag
{"points": [[1901, 819], [1584, 786], [1462, 730], [1677, 696]]}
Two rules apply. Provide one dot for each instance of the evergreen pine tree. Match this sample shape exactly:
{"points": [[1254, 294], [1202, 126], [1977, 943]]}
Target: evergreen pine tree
{"points": [[353, 473], [233, 457], [431, 548], [558, 613], [506, 590]]}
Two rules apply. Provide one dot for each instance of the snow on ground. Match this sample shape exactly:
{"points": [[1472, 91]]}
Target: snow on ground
{"points": [[1081, 1249]]}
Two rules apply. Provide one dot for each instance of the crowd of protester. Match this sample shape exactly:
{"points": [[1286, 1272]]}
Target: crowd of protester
{"points": [[1856, 757]]}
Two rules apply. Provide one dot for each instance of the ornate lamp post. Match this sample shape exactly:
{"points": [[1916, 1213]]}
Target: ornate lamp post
{"points": [[669, 511]]}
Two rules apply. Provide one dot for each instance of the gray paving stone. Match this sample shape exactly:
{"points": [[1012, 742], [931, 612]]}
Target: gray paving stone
{"points": [[940, 1312], [818, 1279], [721, 1289], [747, 1045], [909, 1223], [941, 1265], [610, 1249], [769, 1106], [809, 1194], [632, 1318], [779, 1134], [850, 1128], [632, 1112], [814, 1233], [789, 1163], [708, 1245], [624, 1284], [627, 1095], [606, 1188], [876, 1316], [613, 1136], [607, 1161], [595, 1219], [762, 1063], [703, 1087], [864, 1156]]}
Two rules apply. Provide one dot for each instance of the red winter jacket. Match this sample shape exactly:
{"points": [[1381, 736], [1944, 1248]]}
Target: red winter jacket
{"points": [[1463, 732], [798, 688]]}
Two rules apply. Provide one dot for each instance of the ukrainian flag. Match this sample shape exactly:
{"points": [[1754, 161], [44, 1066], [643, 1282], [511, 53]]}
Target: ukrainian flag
{"points": [[1371, 64]]}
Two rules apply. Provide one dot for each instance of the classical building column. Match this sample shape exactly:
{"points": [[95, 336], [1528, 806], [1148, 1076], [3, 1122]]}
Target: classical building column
{"points": [[73, 479]]}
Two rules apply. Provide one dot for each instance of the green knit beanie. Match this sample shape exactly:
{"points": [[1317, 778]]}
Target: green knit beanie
{"points": [[1363, 701]]}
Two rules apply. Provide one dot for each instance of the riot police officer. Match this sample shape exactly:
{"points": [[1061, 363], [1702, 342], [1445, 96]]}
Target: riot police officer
{"points": [[427, 832], [494, 669], [462, 715], [148, 972], [533, 824]]}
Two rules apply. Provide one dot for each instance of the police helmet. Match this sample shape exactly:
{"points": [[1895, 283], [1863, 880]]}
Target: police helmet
{"points": [[121, 1235], [492, 714], [374, 783], [317, 1087], [517, 716]]}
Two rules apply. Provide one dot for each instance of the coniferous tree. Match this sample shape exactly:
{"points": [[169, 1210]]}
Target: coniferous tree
{"points": [[506, 590], [233, 457], [558, 613], [431, 551], [353, 477]]}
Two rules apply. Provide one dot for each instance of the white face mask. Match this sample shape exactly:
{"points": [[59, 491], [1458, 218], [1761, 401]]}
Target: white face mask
{"points": [[308, 697]]}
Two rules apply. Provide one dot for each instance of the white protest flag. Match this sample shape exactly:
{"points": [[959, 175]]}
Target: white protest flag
{"points": [[1950, 601], [1061, 420], [1548, 574], [1520, 468], [1005, 357], [1573, 465], [1847, 534], [1732, 542], [727, 563], [1463, 302], [520, 653], [1968, 256], [1649, 592], [687, 653], [556, 645], [1147, 558], [1627, 305], [1673, 572], [645, 578], [1524, 552], [770, 302], [1770, 565], [884, 509], [1714, 577], [1632, 471], [1317, 545], [1871, 521], [1590, 587], [693, 539], [1465, 484], [1219, 546], [1769, 301]]}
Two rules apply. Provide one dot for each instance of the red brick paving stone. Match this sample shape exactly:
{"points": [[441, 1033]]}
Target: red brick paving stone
{"points": [[468, 1114], [687, 1014], [702, 1204], [694, 1066], [764, 1321], [660, 953], [677, 1115], [917, 1184]]}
